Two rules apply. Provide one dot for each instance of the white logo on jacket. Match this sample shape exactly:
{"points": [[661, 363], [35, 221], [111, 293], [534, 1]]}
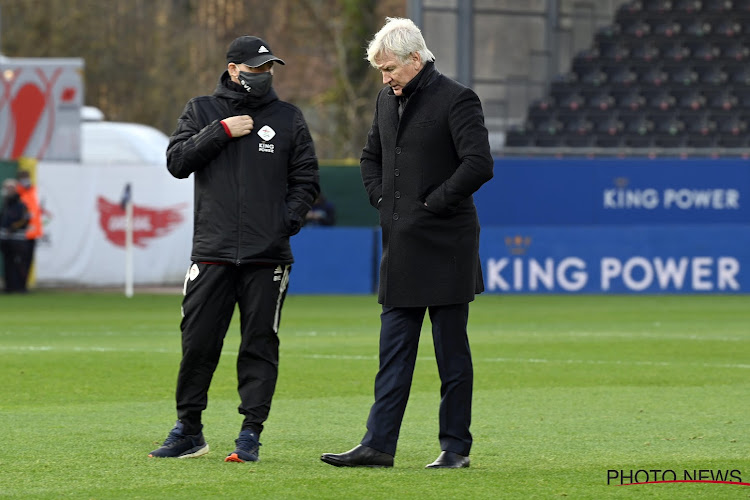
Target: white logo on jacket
{"points": [[266, 133]]}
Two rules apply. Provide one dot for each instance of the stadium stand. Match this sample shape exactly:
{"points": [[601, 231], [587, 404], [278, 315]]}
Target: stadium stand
{"points": [[664, 74]]}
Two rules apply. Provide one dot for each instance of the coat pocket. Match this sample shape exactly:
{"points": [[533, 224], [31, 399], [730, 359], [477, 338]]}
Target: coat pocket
{"points": [[424, 124]]}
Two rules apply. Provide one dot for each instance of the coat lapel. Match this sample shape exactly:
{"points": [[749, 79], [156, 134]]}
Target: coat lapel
{"points": [[391, 103]]}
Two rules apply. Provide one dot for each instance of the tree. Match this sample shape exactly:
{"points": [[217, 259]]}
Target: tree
{"points": [[144, 59]]}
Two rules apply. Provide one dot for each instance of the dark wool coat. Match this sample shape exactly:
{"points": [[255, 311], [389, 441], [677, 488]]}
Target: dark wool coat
{"points": [[437, 152]]}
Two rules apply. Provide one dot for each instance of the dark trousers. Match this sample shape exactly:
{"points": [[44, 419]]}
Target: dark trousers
{"points": [[399, 339], [17, 257], [211, 292]]}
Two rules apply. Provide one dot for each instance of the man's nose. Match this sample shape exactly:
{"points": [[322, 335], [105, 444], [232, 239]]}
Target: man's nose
{"points": [[386, 78]]}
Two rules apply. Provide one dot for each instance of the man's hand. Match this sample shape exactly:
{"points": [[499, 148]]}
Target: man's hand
{"points": [[238, 125]]}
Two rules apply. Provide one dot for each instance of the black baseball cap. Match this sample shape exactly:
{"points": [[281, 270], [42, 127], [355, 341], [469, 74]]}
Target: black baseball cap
{"points": [[250, 50]]}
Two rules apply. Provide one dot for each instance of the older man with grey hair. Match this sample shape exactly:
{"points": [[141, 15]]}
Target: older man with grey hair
{"points": [[427, 152]]}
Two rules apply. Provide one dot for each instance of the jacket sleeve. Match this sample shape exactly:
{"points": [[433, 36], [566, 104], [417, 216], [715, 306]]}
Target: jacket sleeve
{"points": [[371, 164], [466, 122], [192, 146], [302, 175]]}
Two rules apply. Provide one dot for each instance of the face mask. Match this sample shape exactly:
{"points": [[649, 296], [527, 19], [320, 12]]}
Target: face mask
{"points": [[256, 84]]}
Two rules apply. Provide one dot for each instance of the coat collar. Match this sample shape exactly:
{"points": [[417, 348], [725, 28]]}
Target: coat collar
{"points": [[421, 80], [425, 77]]}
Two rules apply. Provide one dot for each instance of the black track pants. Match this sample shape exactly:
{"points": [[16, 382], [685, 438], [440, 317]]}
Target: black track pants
{"points": [[211, 292]]}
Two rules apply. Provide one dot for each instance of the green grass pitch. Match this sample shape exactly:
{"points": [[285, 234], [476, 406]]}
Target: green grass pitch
{"points": [[567, 388]]}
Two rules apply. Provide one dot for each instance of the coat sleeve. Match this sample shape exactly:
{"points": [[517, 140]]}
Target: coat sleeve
{"points": [[470, 139], [371, 163], [192, 146], [303, 183]]}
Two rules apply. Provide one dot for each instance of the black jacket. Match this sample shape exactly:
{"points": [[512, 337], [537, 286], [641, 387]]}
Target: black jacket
{"points": [[251, 194], [14, 218], [437, 152]]}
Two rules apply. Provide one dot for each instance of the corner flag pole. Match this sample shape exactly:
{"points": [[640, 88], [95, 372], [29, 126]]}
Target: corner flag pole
{"points": [[127, 203]]}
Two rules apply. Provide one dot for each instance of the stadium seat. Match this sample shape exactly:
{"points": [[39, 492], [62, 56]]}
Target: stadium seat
{"points": [[638, 141], [638, 130], [669, 131], [658, 6], [698, 123], [732, 141], [690, 99], [582, 65], [700, 141], [572, 101], [630, 8], [735, 50], [592, 76], [698, 27], [739, 75], [623, 76], [687, 6], [644, 52], [609, 130], [579, 140], [711, 74], [607, 33], [653, 75], [613, 51], [601, 100], [546, 140], [703, 50], [542, 106], [666, 74], [637, 28], [519, 137], [550, 126], [668, 28], [722, 99], [743, 97], [727, 28], [558, 91], [566, 116], [682, 75], [675, 51], [717, 6], [580, 125], [660, 99], [590, 55], [630, 99], [731, 125]]}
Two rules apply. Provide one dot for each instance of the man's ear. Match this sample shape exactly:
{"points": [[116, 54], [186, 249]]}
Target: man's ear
{"points": [[417, 59]]}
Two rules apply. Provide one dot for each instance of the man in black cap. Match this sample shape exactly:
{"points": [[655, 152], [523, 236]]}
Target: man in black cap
{"points": [[255, 175]]}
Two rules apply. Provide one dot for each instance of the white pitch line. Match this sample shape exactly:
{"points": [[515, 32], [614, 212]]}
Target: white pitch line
{"points": [[356, 357], [614, 362], [535, 360], [615, 335]]}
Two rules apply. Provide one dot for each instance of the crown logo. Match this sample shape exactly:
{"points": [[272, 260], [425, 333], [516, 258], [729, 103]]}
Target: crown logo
{"points": [[517, 245], [621, 182]]}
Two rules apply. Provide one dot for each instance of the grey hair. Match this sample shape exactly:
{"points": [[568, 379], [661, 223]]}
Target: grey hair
{"points": [[400, 37]]}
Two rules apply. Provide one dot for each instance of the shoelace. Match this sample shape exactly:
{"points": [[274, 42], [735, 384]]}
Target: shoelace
{"points": [[247, 443], [173, 436]]}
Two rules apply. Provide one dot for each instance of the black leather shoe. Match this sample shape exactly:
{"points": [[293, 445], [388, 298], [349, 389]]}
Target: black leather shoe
{"points": [[359, 456], [449, 460]]}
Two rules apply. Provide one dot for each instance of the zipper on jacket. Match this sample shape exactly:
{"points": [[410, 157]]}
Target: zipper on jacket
{"points": [[239, 207]]}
